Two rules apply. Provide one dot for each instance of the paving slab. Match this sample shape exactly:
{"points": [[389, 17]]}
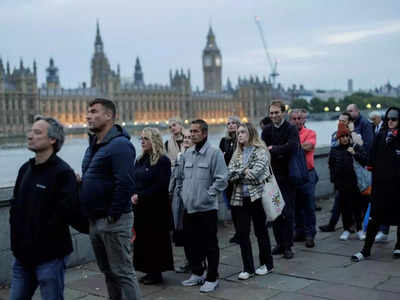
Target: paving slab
{"points": [[243, 290], [275, 281], [294, 296], [345, 292], [391, 285]]}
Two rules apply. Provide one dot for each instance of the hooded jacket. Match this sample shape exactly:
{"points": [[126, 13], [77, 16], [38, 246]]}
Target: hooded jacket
{"points": [[107, 175]]}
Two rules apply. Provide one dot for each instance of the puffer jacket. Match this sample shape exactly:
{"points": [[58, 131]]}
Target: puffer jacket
{"points": [[107, 175]]}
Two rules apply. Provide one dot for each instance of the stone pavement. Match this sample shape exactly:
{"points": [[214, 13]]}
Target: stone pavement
{"points": [[324, 272]]}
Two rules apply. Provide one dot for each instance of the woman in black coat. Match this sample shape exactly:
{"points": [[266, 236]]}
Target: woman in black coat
{"points": [[228, 146], [384, 161], [152, 252]]}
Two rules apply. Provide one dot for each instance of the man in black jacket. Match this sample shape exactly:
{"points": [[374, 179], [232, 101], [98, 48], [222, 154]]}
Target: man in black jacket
{"points": [[106, 188], [41, 208], [282, 140]]}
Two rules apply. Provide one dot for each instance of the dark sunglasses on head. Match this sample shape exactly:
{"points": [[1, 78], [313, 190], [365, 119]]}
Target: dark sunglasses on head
{"points": [[393, 119]]}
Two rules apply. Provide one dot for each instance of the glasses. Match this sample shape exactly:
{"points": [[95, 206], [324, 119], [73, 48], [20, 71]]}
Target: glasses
{"points": [[393, 119]]}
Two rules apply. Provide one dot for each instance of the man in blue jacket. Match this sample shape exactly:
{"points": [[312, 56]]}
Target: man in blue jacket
{"points": [[106, 188]]}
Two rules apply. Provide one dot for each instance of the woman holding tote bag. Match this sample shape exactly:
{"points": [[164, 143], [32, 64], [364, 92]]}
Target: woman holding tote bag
{"points": [[248, 169]]}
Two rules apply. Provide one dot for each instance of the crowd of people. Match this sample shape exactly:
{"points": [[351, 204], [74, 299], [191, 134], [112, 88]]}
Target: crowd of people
{"points": [[171, 193]]}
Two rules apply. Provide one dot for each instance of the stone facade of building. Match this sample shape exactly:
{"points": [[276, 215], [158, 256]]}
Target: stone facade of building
{"points": [[137, 102]]}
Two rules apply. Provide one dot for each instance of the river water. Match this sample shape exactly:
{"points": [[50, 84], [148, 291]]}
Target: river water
{"points": [[13, 153]]}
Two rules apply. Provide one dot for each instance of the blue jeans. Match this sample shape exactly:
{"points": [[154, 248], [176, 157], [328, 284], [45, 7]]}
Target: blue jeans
{"points": [[305, 219], [48, 276]]}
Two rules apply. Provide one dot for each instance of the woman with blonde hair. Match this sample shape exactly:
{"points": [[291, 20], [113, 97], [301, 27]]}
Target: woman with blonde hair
{"points": [[248, 170], [152, 252]]}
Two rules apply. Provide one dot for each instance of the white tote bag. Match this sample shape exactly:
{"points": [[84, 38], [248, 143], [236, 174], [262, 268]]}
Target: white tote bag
{"points": [[272, 199]]}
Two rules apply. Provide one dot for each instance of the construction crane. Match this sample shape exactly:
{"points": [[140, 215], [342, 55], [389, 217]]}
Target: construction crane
{"points": [[272, 63]]}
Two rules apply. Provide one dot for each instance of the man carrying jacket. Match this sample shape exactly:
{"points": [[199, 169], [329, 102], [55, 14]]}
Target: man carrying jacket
{"points": [[106, 188], [204, 179], [41, 209]]}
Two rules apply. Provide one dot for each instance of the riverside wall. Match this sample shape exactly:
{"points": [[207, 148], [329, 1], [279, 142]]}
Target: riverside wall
{"points": [[83, 252]]}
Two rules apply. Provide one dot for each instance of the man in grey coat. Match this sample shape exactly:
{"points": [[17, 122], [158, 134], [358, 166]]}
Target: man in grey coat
{"points": [[203, 181]]}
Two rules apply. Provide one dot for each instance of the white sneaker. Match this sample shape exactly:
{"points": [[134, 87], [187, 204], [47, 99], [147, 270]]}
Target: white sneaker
{"points": [[381, 237], [209, 286], [345, 235], [194, 280], [245, 275], [262, 270], [396, 253], [361, 235]]}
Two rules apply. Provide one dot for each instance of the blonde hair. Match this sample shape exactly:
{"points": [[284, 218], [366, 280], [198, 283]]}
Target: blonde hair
{"points": [[234, 119], [254, 139], [153, 134], [175, 120]]}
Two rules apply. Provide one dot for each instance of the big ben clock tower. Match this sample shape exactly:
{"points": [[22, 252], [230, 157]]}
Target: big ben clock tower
{"points": [[212, 65]]}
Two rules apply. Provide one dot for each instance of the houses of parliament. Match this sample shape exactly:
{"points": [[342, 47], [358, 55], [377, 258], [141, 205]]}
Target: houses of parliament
{"points": [[137, 102]]}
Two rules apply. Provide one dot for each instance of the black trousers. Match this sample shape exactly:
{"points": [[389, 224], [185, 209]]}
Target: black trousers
{"points": [[372, 229], [201, 233], [351, 208], [283, 226], [253, 211]]}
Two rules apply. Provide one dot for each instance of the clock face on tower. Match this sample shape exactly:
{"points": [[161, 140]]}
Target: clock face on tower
{"points": [[207, 61], [218, 61]]}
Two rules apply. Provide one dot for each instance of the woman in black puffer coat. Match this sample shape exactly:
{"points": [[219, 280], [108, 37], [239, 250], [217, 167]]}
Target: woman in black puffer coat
{"points": [[384, 161]]}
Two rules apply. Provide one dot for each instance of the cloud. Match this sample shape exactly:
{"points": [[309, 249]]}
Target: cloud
{"points": [[255, 57], [358, 35]]}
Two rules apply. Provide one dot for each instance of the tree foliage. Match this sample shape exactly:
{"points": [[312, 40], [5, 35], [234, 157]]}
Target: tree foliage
{"points": [[365, 101]]}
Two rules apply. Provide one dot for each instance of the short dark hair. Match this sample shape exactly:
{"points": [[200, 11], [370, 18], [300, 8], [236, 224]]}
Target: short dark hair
{"points": [[55, 131], [278, 103], [108, 104], [345, 113], [203, 124]]}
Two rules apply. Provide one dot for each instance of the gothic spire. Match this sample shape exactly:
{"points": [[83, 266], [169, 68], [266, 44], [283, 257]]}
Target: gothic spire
{"points": [[1, 66], [138, 75], [98, 44], [34, 67]]}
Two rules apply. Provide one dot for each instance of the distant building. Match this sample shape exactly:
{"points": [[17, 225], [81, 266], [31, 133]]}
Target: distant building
{"points": [[350, 85], [387, 90], [136, 101]]}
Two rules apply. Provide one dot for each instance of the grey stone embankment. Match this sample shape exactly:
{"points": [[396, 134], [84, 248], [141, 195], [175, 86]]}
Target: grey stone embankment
{"points": [[83, 252]]}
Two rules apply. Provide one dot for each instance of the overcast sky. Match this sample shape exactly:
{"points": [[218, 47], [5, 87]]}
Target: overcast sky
{"points": [[318, 43]]}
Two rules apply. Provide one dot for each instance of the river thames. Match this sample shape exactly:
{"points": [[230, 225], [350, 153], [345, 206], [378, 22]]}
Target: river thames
{"points": [[13, 153]]}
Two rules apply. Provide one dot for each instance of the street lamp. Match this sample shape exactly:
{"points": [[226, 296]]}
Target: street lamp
{"points": [[378, 105], [326, 108], [369, 106], [337, 108]]}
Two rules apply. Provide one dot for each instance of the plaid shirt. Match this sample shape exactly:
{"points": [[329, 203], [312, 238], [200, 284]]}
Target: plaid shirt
{"points": [[253, 174]]}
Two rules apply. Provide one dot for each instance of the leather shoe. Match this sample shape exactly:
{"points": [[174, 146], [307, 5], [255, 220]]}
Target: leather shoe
{"points": [[288, 254], [327, 228], [277, 250], [310, 243], [151, 279], [299, 238], [234, 239]]}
